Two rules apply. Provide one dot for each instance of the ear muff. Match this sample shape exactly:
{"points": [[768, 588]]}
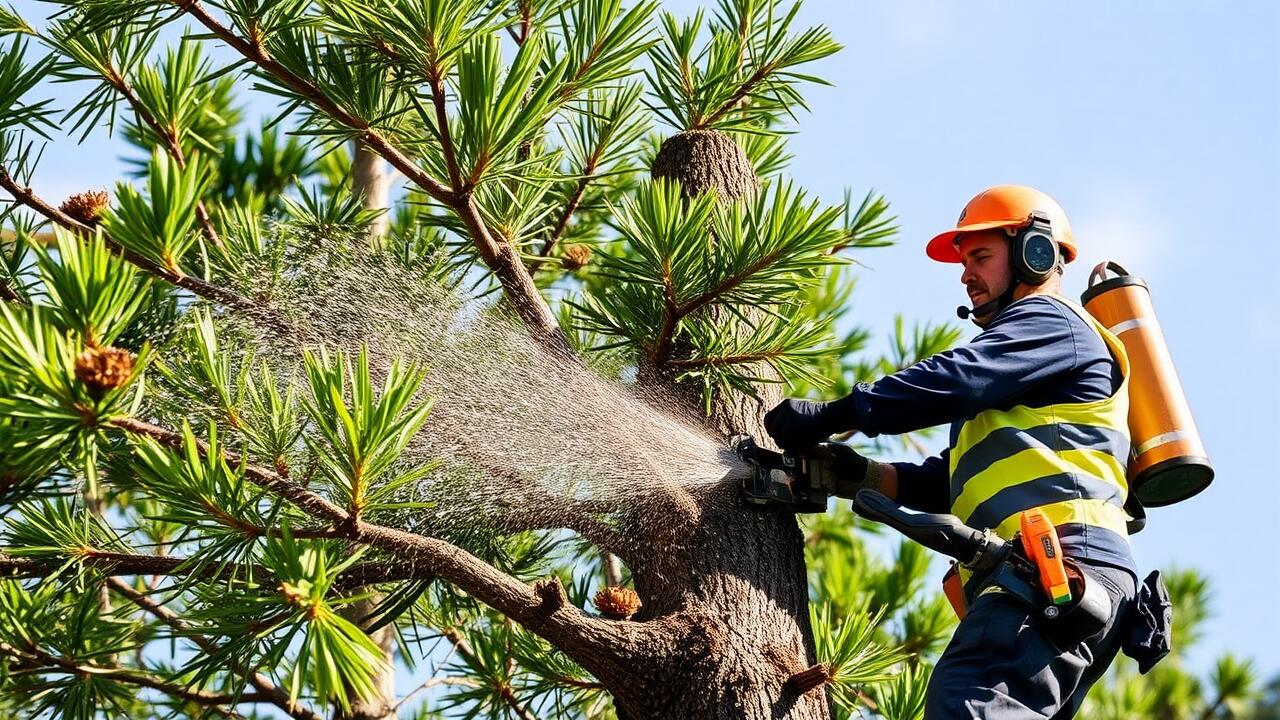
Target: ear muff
{"points": [[1033, 252]]}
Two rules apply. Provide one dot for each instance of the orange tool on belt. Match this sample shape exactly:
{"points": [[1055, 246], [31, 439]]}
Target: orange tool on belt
{"points": [[1040, 543]]}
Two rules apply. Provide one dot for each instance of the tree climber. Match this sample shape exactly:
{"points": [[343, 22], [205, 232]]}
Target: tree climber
{"points": [[1037, 404]]}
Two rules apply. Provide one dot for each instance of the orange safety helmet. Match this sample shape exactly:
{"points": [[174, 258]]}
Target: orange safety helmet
{"points": [[1004, 206]]}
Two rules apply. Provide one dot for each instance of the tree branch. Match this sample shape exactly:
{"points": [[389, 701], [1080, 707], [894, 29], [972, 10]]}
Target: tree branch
{"points": [[204, 289], [36, 660], [270, 692], [542, 608], [442, 126], [7, 294], [501, 257], [170, 140], [743, 90], [562, 223]]}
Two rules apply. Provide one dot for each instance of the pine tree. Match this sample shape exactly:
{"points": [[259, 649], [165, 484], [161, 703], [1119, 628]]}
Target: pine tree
{"points": [[234, 511], [194, 527]]}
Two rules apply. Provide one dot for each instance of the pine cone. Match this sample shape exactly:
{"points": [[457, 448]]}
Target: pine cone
{"points": [[617, 603], [103, 369], [576, 257], [86, 207]]}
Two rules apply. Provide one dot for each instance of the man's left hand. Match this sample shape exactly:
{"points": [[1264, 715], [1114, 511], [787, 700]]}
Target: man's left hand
{"points": [[797, 425]]}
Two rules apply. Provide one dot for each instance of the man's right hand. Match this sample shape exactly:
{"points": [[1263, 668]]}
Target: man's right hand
{"points": [[797, 425]]}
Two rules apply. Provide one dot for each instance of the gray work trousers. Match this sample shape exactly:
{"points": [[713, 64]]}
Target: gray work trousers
{"points": [[1001, 666]]}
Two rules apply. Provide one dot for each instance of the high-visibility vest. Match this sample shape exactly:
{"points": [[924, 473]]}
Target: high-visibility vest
{"points": [[1067, 459]]}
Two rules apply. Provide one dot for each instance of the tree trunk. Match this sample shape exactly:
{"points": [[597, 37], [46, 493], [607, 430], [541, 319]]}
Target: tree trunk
{"points": [[371, 183], [382, 705], [724, 581]]}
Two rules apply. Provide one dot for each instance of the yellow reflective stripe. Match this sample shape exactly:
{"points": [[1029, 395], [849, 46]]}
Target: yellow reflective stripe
{"points": [[1098, 513], [1034, 463], [1087, 512], [1111, 412]]}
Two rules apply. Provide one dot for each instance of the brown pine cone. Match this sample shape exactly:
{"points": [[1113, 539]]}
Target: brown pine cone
{"points": [[617, 603], [86, 207], [103, 369], [576, 257]]}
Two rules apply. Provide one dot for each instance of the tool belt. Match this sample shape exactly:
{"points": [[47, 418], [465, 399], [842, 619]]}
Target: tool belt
{"points": [[1004, 566], [1068, 624]]}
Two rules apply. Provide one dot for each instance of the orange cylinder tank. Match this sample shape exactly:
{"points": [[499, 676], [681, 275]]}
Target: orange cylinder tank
{"points": [[1168, 462]]}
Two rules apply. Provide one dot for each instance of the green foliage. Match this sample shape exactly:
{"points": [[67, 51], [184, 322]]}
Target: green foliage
{"points": [[850, 650], [90, 291], [500, 110], [101, 57], [902, 698], [685, 259], [57, 407], [16, 80], [336, 659], [202, 494], [49, 621], [744, 76], [424, 39], [361, 434], [869, 225], [179, 96], [160, 226]]}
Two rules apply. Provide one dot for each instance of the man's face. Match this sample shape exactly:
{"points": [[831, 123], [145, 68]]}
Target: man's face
{"points": [[985, 256]]}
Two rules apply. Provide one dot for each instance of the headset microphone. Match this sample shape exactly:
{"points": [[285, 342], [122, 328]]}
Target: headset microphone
{"points": [[978, 310]]}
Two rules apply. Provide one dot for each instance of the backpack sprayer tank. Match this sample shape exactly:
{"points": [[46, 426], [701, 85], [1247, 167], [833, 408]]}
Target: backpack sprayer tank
{"points": [[1168, 463]]}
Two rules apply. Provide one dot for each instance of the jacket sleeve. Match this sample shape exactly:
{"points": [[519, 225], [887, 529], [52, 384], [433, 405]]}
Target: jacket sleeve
{"points": [[1031, 342], [925, 487]]}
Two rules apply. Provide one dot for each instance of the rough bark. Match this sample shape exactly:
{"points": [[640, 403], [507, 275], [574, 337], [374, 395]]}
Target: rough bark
{"points": [[728, 588], [705, 160], [726, 581]]}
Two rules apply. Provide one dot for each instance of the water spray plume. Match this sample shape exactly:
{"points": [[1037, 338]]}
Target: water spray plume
{"points": [[524, 438]]}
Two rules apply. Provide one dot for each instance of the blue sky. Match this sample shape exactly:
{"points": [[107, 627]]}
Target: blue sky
{"points": [[1155, 125]]}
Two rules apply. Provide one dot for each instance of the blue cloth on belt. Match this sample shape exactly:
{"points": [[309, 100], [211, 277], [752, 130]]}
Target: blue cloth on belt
{"points": [[1002, 665]]}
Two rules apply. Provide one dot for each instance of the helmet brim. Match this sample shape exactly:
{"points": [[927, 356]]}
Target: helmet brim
{"points": [[943, 246]]}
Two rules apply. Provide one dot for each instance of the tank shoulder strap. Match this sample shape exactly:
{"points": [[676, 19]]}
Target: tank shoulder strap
{"points": [[1109, 338]]}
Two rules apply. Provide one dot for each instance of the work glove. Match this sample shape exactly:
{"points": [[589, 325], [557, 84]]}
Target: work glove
{"points": [[842, 471], [797, 425]]}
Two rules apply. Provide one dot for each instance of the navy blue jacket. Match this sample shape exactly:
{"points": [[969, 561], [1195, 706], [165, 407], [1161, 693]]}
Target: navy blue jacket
{"points": [[1035, 352]]}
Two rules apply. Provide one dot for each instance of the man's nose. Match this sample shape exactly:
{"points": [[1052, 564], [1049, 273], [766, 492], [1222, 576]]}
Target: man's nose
{"points": [[966, 276]]}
